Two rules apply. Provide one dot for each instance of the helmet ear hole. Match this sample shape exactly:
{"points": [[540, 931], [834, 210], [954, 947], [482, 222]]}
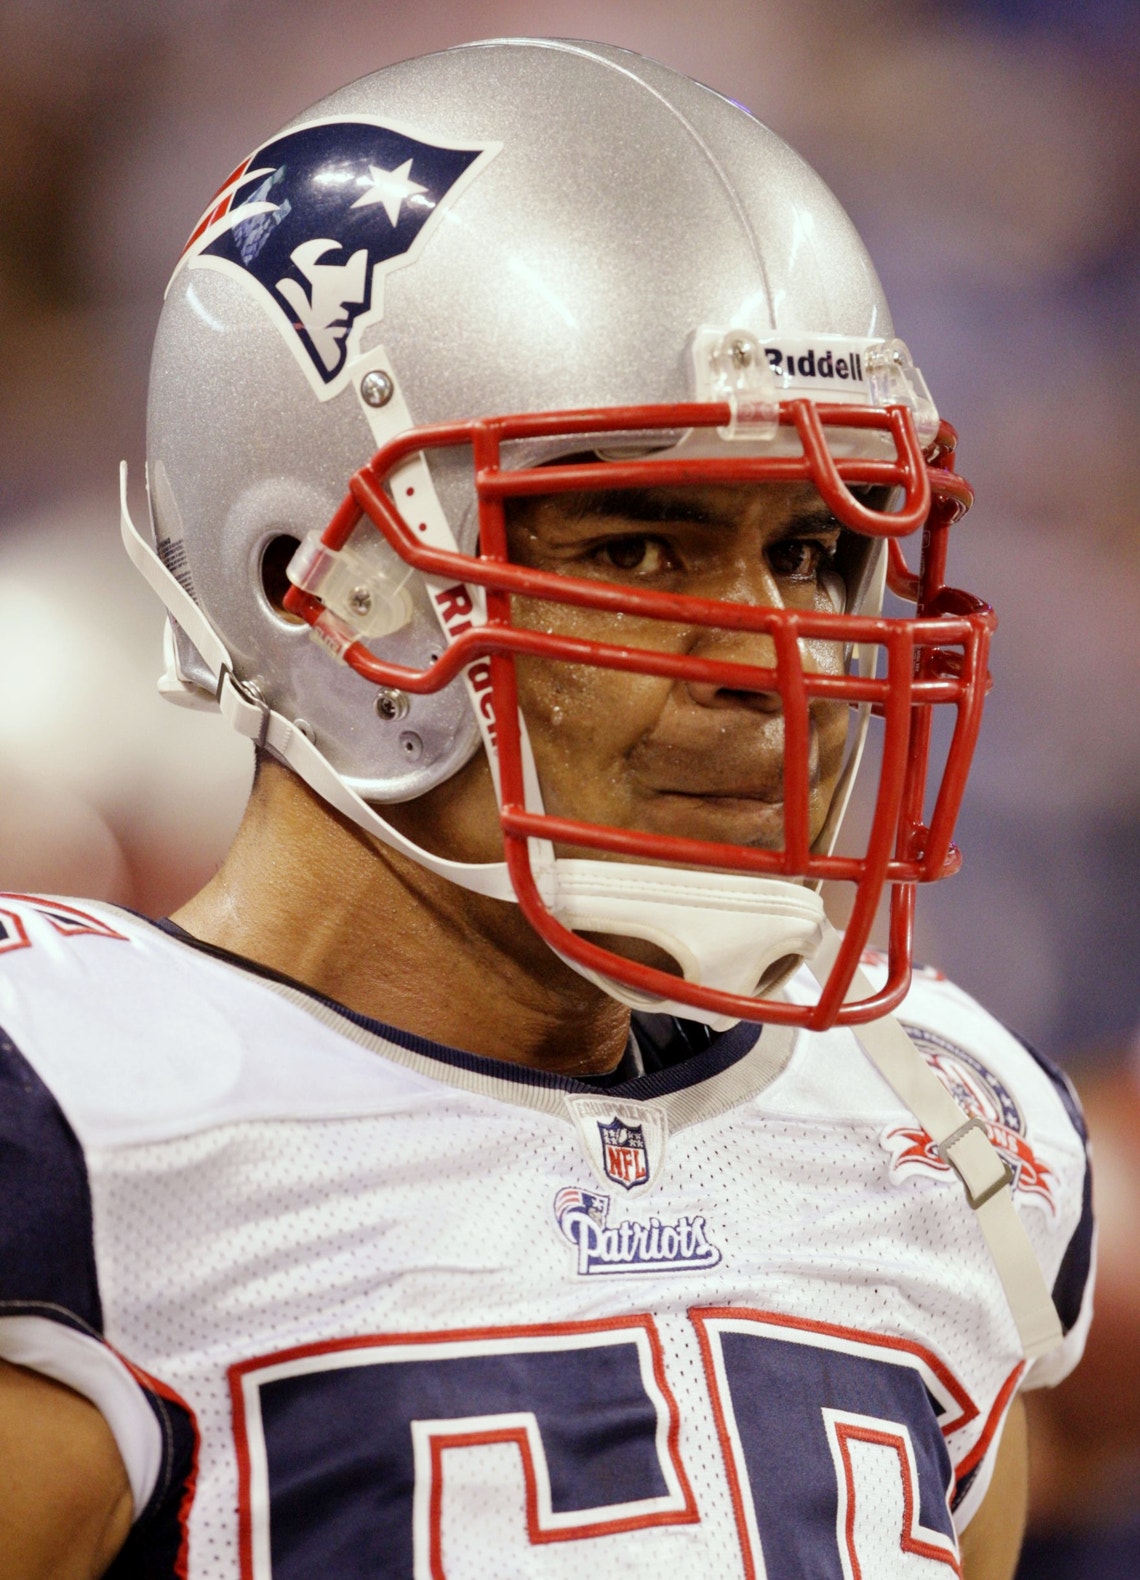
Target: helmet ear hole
{"points": [[276, 553]]}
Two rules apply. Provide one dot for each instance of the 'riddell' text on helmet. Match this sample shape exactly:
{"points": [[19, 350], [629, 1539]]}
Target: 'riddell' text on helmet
{"points": [[529, 270]]}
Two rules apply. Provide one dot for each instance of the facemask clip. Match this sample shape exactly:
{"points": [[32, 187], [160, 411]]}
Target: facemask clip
{"points": [[353, 585], [893, 380], [731, 365]]}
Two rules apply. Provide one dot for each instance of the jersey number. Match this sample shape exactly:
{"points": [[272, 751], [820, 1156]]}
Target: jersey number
{"points": [[353, 1461]]}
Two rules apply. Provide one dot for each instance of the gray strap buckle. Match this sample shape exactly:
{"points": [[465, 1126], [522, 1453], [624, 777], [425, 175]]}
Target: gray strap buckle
{"points": [[1005, 1177]]}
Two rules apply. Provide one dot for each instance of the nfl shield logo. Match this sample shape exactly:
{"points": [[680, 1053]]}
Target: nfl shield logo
{"points": [[624, 1153]]}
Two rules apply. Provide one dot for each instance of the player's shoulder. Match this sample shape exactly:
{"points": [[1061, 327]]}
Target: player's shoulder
{"points": [[139, 1036], [1026, 1106], [992, 1070], [1033, 1119]]}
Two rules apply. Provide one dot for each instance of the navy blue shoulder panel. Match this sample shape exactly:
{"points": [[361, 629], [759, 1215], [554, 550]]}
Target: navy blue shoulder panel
{"points": [[1076, 1264], [1061, 1084], [47, 1250], [1073, 1273], [47, 1268]]}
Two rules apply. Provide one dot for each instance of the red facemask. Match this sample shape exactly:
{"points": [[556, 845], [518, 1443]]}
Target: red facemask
{"points": [[936, 658]]}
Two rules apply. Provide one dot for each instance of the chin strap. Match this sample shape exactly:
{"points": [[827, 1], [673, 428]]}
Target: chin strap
{"points": [[253, 718], [964, 1145], [731, 931]]}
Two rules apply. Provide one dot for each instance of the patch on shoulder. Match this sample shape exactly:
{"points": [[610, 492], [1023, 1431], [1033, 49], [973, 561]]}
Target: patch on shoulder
{"points": [[983, 1096], [65, 919]]}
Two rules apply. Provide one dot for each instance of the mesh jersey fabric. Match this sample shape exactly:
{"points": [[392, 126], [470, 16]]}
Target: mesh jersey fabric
{"points": [[425, 1313]]}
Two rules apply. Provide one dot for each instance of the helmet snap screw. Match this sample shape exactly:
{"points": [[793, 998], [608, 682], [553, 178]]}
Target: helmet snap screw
{"points": [[360, 600], [390, 704], [376, 388], [741, 354]]}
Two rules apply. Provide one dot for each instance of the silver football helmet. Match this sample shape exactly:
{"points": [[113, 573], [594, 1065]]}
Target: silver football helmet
{"points": [[510, 268]]}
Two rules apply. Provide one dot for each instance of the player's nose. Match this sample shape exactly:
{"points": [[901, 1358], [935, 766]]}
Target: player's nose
{"points": [[751, 648], [742, 579]]}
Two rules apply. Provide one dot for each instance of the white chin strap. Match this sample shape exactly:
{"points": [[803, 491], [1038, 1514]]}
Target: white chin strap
{"points": [[725, 931]]}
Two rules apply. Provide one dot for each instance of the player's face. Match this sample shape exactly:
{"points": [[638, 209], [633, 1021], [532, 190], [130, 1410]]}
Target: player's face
{"points": [[664, 756]]}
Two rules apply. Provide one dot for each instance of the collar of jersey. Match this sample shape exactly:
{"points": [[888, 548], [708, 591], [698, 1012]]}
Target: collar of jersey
{"points": [[690, 1069]]}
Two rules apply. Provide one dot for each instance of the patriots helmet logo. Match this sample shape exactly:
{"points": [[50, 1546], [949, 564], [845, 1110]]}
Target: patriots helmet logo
{"points": [[317, 217]]}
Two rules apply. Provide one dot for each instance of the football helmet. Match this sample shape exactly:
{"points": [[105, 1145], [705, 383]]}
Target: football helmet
{"points": [[526, 268]]}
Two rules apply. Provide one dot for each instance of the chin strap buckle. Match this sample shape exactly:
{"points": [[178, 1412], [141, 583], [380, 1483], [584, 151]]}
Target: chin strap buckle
{"points": [[244, 707]]}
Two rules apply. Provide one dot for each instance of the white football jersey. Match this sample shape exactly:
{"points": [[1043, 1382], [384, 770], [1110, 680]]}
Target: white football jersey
{"points": [[358, 1305]]}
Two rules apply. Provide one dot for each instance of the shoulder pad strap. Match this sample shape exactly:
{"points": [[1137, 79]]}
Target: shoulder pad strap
{"points": [[964, 1145]]}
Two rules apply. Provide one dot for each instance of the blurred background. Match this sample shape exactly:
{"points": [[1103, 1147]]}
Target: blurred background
{"points": [[989, 152]]}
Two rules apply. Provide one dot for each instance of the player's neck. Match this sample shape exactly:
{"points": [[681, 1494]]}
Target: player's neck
{"points": [[306, 893]]}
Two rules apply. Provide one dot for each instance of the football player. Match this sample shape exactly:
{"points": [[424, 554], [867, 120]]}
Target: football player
{"points": [[503, 1167]]}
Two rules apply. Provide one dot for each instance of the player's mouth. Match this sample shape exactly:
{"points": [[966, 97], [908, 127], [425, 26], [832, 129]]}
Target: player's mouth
{"points": [[747, 784], [733, 771], [769, 795], [739, 803], [733, 816]]}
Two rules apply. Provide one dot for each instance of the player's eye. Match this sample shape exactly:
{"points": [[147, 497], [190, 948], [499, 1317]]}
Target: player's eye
{"points": [[636, 552], [800, 559]]}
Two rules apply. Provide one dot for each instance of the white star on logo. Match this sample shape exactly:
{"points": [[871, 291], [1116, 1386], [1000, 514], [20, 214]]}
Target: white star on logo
{"points": [[390, 187]]}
